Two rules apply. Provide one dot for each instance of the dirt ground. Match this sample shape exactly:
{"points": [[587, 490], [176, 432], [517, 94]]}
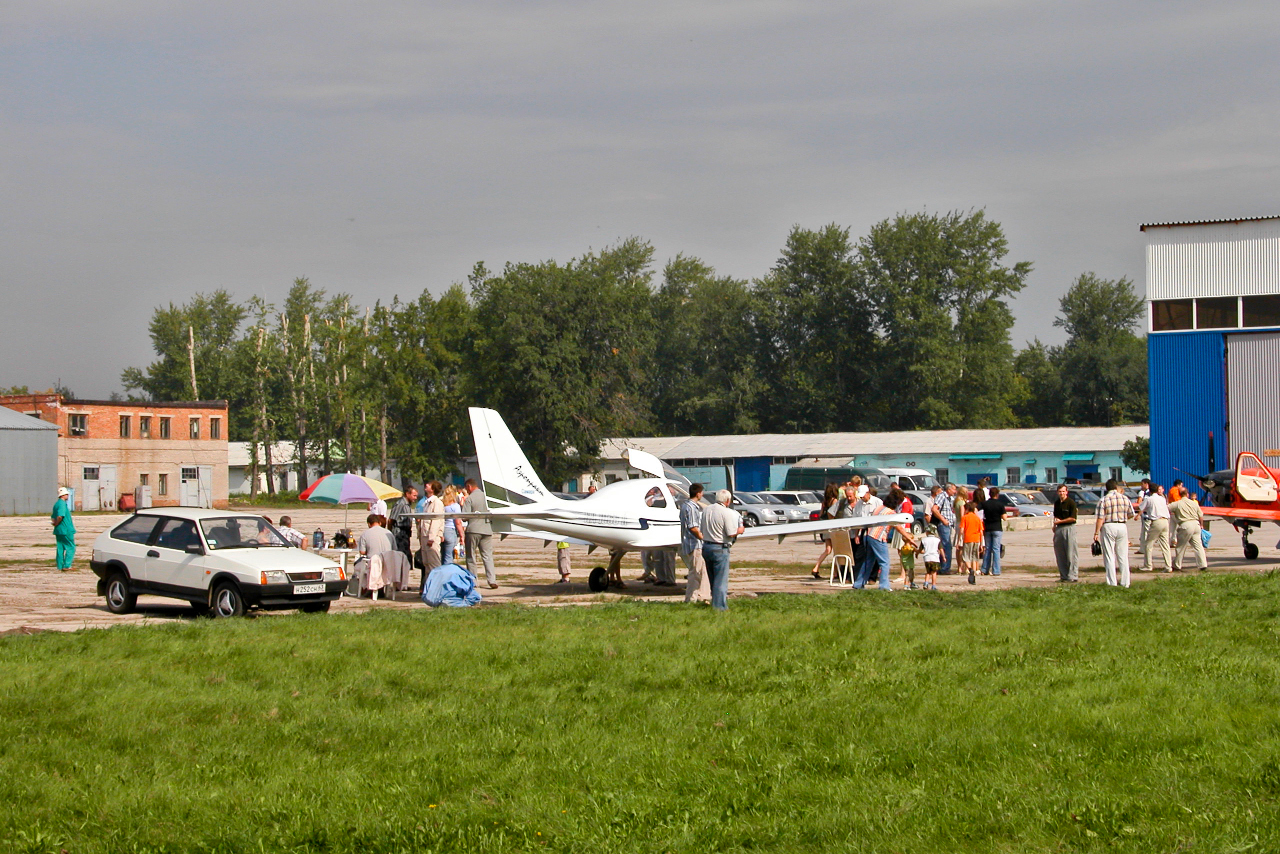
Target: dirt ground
{"points": [[34, 596]]}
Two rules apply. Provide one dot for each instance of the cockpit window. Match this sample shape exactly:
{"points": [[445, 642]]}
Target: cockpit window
{"points": [[655, 498]]}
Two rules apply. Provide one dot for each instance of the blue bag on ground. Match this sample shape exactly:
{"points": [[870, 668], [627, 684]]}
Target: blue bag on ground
{"points": [[452, 586]]}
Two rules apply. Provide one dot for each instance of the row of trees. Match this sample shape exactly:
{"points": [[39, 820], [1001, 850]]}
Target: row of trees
{"points": [[905, 328]]}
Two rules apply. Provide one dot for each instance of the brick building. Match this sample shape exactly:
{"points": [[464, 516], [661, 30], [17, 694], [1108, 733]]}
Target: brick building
{"points": [[106, 448]]}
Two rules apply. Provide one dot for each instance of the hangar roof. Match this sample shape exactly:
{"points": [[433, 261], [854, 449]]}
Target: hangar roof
{"points": [[844, 446], [11, 420]]}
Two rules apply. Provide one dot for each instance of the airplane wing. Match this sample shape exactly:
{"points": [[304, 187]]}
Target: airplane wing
{"points": [[784, 531], [1232, 513]]}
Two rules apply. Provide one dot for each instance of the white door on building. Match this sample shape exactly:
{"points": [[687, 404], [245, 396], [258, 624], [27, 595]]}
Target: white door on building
{"points": [[107, 494], [89, 495], [196, 489]]}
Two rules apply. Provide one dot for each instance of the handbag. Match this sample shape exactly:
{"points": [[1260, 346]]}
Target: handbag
{"points": [[1096, 549]]}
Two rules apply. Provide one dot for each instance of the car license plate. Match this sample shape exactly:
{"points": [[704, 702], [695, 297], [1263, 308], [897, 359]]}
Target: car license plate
{"points": [[301, 589]]}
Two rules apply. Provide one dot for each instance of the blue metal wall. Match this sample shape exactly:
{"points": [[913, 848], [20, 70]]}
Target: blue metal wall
{"points": [[1187, 386]]}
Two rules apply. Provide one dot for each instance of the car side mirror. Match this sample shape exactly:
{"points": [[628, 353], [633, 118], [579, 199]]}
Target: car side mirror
{"points": [[194, 549]]}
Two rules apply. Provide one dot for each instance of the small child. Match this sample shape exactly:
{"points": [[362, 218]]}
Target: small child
{"points": [[562, 561], [929, 545], [907, 557]]}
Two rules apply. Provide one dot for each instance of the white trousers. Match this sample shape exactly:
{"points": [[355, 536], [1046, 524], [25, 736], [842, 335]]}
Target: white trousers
{"points": [[1157, 535], [1115, 552]]}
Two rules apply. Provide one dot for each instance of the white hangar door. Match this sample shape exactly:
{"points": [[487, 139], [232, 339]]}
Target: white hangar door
{"points": [[1253, 396]]}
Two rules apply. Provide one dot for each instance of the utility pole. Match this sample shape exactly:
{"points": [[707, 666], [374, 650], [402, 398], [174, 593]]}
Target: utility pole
{"points": [[191, 360]]}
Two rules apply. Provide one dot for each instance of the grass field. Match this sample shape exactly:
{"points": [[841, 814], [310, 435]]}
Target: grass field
{"points": [[1072, 719]]}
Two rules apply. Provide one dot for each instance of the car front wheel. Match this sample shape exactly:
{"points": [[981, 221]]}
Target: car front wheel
{"points": [[315, 608], [120, 596], [227, 601], [749, 520]]}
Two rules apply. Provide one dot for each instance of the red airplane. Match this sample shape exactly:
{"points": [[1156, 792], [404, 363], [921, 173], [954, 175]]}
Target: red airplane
{"points": [[1245, 497]]}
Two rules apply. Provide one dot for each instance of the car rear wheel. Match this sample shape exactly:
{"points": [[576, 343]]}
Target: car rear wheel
{"points": [[227, 601], [120, 596], [917, 528]]}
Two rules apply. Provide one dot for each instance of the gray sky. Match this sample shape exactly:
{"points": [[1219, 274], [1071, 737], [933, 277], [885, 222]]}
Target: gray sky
{"points": [[154, 150]]}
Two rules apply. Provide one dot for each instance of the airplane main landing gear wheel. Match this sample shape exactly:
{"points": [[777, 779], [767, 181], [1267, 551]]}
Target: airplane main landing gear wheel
{"points": [[1250, 551], [598, 580]]}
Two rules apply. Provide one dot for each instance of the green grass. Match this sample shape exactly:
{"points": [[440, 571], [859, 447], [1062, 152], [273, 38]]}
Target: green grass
{"points": [[1077, 718]]}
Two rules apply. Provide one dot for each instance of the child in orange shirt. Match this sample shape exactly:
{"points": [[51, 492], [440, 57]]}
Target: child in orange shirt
{"points": [[971, 540]]}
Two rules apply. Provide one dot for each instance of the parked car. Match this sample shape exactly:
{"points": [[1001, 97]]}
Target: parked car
{"points": [[1025, 504], [1086, 499], [917, 510], [218, 561], [795, 509], [756, 510], [803, 498]]}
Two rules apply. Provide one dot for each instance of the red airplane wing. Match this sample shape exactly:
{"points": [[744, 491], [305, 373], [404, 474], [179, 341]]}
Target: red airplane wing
{"points": [[1242, 513]]}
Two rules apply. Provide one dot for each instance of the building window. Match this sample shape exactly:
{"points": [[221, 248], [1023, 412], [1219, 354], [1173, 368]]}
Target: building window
{"points": [[78, 425], [1261, 311], [144, 479], [162, 484], [943, 476], [1050, 475], [215, 428], [89, 473], [124, 426], [195, 428], [1171, 314], [1218, 313], [164, 427], [1013, 475], [144, 426], [1117, 474]]}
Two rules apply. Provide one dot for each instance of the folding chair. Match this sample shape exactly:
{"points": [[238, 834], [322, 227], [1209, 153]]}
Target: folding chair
{"points": [[842, 569]]}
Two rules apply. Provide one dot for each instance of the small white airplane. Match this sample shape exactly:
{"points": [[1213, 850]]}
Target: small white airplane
{"points": [[627, 515]]}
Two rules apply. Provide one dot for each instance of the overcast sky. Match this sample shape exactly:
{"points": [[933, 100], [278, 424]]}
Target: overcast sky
{"points": [[153, 150]]}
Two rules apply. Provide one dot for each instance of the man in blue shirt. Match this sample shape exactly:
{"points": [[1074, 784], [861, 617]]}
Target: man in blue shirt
{"points": [[64, 530], [699, 587]]}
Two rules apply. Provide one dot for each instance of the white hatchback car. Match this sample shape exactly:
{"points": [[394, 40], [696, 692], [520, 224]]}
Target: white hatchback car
{"points": [[217, 560]]}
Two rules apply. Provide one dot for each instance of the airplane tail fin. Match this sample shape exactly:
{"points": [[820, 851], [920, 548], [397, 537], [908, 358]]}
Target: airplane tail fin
{"points": [[508, 477]]}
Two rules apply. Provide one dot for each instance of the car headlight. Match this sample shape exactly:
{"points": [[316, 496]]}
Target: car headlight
{"points": [[274, 576], [332, 573]]}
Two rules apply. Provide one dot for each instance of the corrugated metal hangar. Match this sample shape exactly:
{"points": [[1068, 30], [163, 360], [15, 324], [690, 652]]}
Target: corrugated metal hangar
{"points": [[29, 460], [1213, 352]]}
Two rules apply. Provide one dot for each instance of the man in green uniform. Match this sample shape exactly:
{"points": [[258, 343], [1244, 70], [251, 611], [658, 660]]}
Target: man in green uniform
{"points": [[64, 531]]}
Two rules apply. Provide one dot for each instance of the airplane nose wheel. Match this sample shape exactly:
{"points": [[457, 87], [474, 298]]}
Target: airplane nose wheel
{"points": [[1250, 549], [598, 580]]}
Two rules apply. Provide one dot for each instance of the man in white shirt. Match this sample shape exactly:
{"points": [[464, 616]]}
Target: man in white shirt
{"points": [[1155, 518], [720, 526], [291, 536]]}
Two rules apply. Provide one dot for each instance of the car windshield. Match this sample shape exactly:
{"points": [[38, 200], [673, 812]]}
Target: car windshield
{"points": [[786, 498], [1039, 498], [771, 499], [750, 498], [240, 532]]}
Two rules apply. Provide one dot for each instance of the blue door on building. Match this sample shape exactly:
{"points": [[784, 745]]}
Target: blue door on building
{"points": [[751, 474], [972, 479], [1083, 471]]}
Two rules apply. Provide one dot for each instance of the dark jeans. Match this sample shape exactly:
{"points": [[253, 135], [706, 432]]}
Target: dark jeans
{"points": [[716, 557]]}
